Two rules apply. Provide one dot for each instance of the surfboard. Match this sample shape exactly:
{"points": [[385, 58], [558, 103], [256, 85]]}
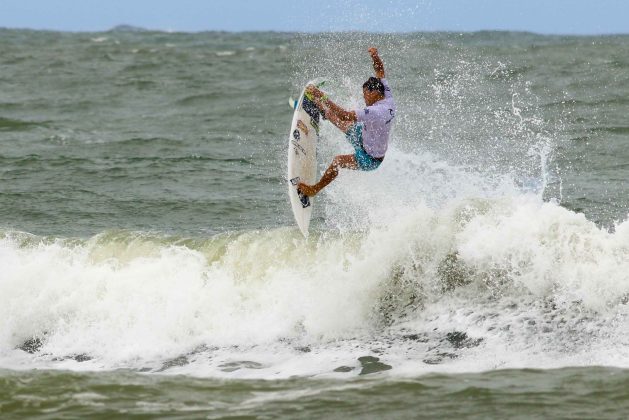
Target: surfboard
{"points": [[302, 157]]}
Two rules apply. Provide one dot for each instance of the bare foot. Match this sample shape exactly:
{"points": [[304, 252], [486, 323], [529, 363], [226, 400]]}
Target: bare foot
{"points": [[308, 190]]}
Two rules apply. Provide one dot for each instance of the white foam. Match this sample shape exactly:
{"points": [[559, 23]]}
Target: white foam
{"points": [[543, 287]]}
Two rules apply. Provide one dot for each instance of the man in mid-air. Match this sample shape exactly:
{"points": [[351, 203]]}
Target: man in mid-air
{"points": [[366, 129]]}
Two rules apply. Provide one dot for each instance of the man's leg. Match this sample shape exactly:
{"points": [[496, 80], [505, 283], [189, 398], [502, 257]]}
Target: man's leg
{"points": [[340, 161]]}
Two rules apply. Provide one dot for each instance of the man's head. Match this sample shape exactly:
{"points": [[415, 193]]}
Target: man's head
{"points": [[373, 91]]}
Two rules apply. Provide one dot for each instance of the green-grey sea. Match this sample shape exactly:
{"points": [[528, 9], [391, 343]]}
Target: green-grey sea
{"points": [[150, 265]]}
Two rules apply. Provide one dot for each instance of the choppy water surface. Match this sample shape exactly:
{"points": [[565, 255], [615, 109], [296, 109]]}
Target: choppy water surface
{"points": [[150, 264]]}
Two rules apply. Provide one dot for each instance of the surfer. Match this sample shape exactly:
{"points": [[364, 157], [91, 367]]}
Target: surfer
{"points": [[366, 129]]}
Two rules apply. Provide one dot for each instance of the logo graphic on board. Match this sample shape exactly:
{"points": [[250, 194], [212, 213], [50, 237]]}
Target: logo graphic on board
{"points": [[302, 127], [296, 134], [298, 146]]}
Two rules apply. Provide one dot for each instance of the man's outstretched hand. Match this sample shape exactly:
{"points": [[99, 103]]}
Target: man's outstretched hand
{"points": [[317, 96], [314, 91], [378, 66], [308, 190], [311, 90]]}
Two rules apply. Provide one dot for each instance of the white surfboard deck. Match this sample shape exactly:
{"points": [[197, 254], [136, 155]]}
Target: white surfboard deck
{"points": [[302, 158]]}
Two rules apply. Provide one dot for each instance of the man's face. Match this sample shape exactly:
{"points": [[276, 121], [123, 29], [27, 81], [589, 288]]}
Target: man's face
{"points": [[371, 97]]}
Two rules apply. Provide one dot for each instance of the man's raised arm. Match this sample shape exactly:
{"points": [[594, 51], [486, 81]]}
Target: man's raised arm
{"points": [[378, 65]]}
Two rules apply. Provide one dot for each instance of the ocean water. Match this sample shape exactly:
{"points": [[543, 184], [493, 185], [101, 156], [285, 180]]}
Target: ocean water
{"points": [[150, 265]]}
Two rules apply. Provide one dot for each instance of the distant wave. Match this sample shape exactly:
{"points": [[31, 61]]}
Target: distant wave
{"points": [[11, 124]]}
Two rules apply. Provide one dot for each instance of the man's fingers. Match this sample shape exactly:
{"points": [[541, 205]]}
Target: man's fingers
{"points": [[312, 90]]}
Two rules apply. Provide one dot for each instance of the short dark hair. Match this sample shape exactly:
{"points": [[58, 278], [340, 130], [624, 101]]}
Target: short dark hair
{"points": [[373, 83]]}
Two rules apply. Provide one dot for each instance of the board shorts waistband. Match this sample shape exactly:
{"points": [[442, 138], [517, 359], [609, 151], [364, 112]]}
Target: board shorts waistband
{"points": [[365, 161]]}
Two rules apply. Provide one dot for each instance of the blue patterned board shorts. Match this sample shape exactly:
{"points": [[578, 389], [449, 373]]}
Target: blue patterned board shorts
{"points": [[365, 161]]}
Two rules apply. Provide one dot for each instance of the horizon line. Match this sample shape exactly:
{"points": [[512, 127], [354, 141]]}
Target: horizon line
{"points": [[132, 28]]}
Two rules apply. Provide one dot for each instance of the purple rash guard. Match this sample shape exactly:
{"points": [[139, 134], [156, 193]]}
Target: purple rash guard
{"points": [[377, 120]]}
